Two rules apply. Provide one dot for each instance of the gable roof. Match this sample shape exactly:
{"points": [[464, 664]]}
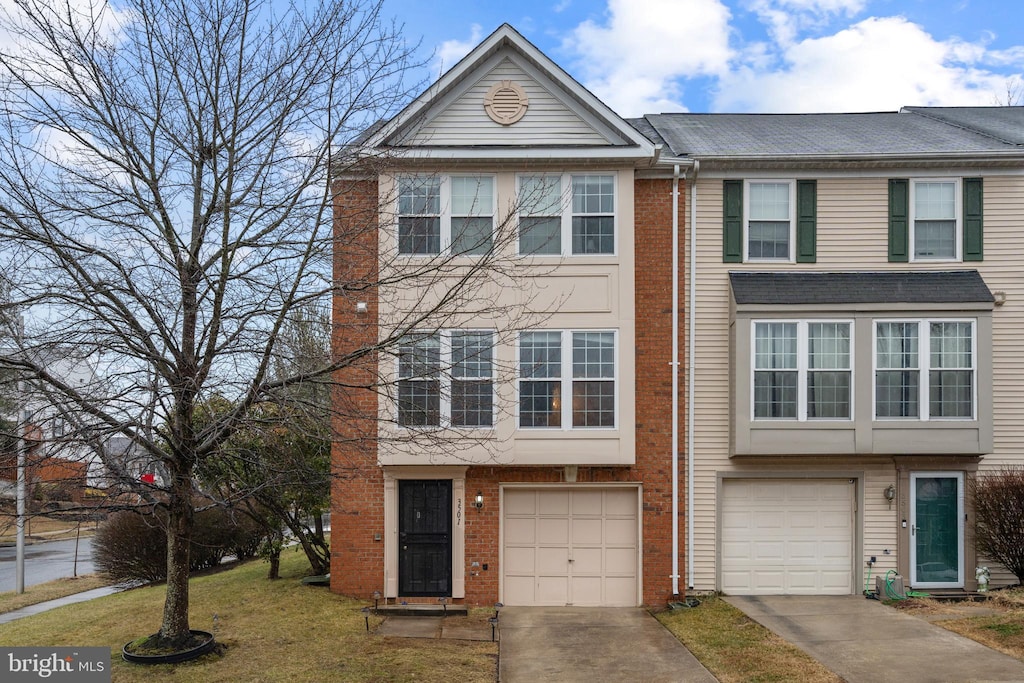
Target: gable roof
{"points": [[619, 138], [912, 132], [883, 287]]}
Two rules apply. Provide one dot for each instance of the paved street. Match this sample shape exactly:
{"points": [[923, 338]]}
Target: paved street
{"points": [[46, 562]]}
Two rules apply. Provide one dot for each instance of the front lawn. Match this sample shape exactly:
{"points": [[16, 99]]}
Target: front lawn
{"points": [[1003, 630], [271, 631], [736, 649]]}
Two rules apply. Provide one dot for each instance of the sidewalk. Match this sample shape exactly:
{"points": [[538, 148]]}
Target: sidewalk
{"points": [[60, 602]]}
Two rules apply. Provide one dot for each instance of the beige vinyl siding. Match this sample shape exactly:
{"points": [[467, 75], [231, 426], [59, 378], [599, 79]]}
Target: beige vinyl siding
{"points": [[548, 121], [852, 233]]}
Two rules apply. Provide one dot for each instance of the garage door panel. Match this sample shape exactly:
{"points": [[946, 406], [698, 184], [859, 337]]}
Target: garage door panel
{"points": [[621, 532], [620, 502], [552, 502], [520, 531], [587, 531], [553, 531], [521, 561], [798, 537], [595, 528], [552, 590], [518, 502]]}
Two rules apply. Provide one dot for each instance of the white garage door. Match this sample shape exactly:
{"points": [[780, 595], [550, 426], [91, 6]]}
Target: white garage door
{"points": [[570, 547], [787, 537]]}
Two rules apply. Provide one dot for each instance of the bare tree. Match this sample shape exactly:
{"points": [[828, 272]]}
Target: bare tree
{"points": [[1014, 94], [166, 206]]}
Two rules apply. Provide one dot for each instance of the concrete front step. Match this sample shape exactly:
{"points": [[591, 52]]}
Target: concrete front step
{"points": [[420, 610]]}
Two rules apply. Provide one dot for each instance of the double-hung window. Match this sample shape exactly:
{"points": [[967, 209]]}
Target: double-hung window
{"points": [[445, 214], [446, 379], [770, 220], [567, 379], [567, 214], [802, 370], [935, 207], [925, 362]]}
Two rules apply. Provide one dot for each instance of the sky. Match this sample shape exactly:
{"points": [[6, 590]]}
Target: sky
{"points": [[759, 56]]}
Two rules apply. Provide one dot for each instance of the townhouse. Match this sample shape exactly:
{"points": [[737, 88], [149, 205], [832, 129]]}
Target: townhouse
{"points": [[603, 362]]}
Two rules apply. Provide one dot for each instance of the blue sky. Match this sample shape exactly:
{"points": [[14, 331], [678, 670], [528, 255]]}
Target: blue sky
{"points": [[650, 56]]}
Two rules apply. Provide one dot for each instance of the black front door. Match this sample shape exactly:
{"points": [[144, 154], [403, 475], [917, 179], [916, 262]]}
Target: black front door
{"points": [[424, 537]]}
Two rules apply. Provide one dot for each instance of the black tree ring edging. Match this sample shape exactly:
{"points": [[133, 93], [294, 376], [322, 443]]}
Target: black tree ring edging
{"points": [[173, 657]]}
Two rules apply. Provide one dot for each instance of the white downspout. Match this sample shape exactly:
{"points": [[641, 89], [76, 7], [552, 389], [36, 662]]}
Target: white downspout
{"points": [[692, 348], [675, 380]]}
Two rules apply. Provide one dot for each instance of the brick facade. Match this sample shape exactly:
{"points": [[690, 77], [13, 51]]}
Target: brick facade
{"points": [[357, 488], [357, 559]]}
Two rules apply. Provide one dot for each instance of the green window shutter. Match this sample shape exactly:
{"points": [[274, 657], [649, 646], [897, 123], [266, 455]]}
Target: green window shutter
{"points": [[974, 243], [899, 220], [732, 221], [806, 221]]}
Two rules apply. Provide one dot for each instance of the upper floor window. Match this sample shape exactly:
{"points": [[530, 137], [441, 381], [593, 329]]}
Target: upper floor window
{"points": [[935, 215], [924, 362], [446, 379], [568, 213], [580, 366], [769, 220], [445, 214], [936, 219], [802, 370]]}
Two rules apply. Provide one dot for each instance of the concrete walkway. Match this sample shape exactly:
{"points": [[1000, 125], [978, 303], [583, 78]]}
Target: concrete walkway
{"points": [[59, 602], [865, 641], [591, 644]]}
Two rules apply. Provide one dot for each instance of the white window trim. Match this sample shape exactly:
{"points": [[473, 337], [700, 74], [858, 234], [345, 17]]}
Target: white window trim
{"points": [[958, 239], [802, 369], [566, 380], [446, 378], [792, 219], [923, 369], [567, 214], [446, 215]]}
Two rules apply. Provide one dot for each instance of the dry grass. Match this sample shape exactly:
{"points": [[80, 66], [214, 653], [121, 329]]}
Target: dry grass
{"points": [[272, 631], [736, 649], [52, 590], [1003, 631], [42, 527]]}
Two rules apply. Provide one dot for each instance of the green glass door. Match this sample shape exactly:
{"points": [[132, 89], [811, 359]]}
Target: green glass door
{"points": [[936, 530]]}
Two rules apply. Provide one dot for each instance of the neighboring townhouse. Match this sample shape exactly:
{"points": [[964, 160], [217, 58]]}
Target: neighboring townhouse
{"points": [[854, 344], [517, 443]]}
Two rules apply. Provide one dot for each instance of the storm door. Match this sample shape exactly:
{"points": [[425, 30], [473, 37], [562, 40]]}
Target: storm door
{"points": [[425, 537], [937, 529]]}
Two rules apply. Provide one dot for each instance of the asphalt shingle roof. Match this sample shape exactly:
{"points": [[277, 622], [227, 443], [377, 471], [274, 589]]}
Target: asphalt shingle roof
{"points": [[884, 287], [915, 131]]}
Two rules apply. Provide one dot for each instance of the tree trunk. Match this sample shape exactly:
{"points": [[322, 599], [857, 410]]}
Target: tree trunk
{"points": [[174, 630], [275, 563]]}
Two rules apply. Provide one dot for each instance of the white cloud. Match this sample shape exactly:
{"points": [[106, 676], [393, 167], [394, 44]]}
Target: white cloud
{"points": [[632, 62], [785, 19], [875, 65], [450, 52]]}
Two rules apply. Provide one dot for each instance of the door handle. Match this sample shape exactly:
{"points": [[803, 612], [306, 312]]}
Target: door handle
{"points": [[405, 547], [571, 560]]}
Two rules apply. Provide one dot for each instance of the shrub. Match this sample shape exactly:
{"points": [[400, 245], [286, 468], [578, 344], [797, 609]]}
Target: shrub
{"points": [[133, 547], [999, 517]]}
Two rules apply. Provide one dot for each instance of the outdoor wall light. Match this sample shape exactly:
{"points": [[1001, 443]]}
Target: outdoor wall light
{"points": [[890, 494], [479, 502], [362, 307]]}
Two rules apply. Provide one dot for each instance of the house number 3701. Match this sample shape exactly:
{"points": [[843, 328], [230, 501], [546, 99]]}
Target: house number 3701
{"points": [[458, 512]]}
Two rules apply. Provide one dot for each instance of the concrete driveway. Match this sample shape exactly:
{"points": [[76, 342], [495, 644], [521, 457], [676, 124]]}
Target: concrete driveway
{"points": [[865, 641], [591, 645]]}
